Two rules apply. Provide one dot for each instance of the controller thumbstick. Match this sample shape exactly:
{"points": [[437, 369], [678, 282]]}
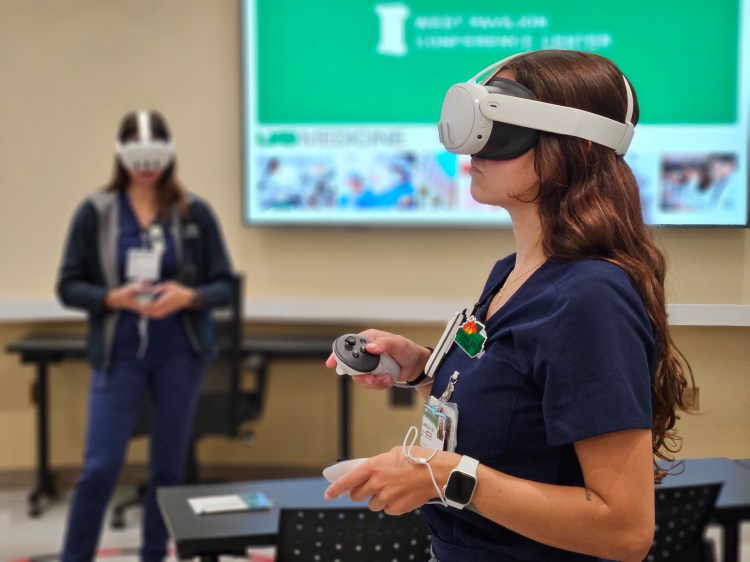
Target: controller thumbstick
{"points": [[350, 342]]}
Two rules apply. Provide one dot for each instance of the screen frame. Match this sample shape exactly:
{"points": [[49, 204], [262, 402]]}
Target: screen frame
{"points": [[409, 223]]}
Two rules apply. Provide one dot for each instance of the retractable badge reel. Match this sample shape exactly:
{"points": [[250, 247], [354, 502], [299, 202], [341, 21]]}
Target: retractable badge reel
{"points": [[440, 420]]}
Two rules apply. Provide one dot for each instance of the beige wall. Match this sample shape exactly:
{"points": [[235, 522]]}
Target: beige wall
{"points": [[70, 69]]}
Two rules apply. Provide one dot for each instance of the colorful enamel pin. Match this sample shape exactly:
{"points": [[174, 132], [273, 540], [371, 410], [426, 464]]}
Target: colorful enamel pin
{"points": [[471, 337]]}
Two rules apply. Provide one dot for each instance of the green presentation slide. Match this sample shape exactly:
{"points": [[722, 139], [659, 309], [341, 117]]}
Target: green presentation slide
{"points": [[391, 62]]}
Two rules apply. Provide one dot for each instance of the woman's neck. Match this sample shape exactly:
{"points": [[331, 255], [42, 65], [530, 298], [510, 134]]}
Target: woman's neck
{"points": [[142, 194], [143, 200], [527, 230]]}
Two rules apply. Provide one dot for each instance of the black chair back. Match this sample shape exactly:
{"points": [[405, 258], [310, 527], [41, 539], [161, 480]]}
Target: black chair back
{"points": [[351, 535], [223, 404], [234, 387], [682, 514]]}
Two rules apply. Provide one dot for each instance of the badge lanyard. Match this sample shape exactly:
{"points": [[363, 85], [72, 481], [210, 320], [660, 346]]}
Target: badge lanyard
{"points": [[440, 415], [467, 332], [144, 264]]}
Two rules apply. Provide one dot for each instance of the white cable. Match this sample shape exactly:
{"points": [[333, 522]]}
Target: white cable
{"points": [[143, 335], [406, 451]]}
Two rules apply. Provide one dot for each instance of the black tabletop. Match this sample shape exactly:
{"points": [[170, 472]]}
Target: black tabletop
{"points": [[52, 347], [233, 533]]}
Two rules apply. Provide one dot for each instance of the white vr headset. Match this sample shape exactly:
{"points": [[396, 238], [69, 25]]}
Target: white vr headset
{"points": [[145, 154], [500, 119]]}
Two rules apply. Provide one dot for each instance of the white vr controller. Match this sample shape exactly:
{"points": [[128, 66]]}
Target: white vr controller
{"points": [[336, 471], [353, 359]]}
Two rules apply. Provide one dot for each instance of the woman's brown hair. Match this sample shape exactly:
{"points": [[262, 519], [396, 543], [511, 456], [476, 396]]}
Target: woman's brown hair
{"points": [[590, 207], [169, 191]]}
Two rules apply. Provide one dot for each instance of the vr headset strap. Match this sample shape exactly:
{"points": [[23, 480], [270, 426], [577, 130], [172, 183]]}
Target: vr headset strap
{"points": [[554, 119], [144, 125]]}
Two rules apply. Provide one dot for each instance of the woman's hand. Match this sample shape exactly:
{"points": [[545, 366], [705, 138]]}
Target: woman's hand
{"points": [[125, 297], [394, 483], [169, 297], [410, 357]]}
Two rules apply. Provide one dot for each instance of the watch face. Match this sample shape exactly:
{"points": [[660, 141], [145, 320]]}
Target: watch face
{"points": [[460, 487]]}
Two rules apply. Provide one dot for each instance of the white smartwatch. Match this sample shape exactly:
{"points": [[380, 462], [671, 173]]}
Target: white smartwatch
{"points": [[462, 481]]}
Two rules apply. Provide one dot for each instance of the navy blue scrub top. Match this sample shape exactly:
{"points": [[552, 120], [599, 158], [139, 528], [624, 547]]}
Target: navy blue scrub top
{"points": [[166, 335], [568, 356]]}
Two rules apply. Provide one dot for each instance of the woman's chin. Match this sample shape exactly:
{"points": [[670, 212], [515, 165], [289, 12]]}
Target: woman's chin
{"points": [[476, 194]]}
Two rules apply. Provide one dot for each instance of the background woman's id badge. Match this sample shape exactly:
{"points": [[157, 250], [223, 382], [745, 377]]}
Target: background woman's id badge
{"points": [[439, 425], [142, 265]]}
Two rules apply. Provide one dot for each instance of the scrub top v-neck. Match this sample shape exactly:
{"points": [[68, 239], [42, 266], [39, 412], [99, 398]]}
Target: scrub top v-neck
{"points": [[568, 356]]}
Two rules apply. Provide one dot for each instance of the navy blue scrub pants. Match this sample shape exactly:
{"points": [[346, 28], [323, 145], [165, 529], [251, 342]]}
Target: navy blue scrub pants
{"points": [[172, 383]]}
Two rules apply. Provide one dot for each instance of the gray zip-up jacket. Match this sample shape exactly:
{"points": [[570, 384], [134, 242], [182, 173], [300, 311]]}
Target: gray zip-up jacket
{"points": [[89, 270]]}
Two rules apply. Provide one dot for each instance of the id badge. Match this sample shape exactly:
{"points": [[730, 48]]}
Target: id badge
{"points": [[434, 423], [142, 265], [439, 425]]}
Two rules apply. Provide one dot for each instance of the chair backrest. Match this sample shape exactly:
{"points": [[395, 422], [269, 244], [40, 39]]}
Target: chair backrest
{"points": [[351, 535], [225, 401], [682, 514]]}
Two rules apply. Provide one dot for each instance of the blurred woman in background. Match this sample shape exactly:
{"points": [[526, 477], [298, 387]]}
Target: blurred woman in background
{"points": [[146, 261]]}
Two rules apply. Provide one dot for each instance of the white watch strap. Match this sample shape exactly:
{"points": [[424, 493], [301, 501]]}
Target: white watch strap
{"points": [[468, 465]]}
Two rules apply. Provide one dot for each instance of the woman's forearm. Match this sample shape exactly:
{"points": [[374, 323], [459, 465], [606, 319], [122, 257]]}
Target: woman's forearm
{"points": [[81, 294], [566, 517], [612, 517]]}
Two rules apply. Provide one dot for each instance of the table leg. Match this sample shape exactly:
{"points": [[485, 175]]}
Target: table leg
{"points": [[344, 415], [731, 541], [44, 482]]}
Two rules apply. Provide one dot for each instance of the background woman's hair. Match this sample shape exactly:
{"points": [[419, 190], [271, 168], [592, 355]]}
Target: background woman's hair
{"points": [[169, 191], [590, 207]]}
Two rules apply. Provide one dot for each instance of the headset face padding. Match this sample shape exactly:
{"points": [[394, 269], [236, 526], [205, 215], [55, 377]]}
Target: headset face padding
{"points": [[144, 154], [508, 141], [152, 156]]}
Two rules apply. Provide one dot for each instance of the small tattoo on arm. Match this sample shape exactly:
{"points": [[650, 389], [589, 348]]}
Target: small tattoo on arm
{"points": [[588, 494]]}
